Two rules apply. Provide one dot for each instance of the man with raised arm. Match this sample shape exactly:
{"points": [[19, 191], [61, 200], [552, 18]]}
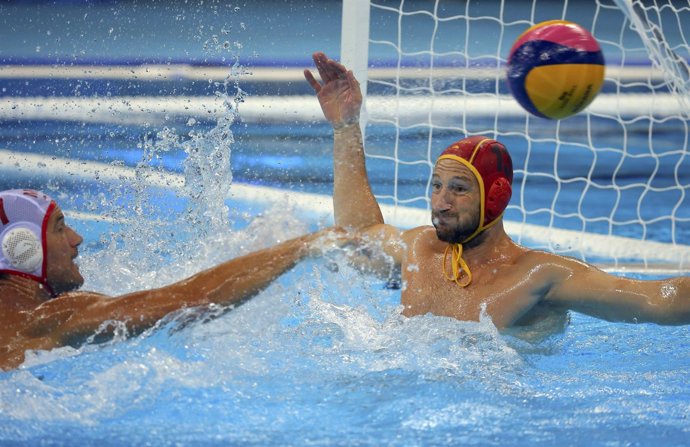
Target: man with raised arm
{"points": [[466, 264], [40, 309]]}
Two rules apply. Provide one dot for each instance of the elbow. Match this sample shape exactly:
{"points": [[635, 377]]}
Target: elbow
{"points": [[664, 302], [673, 314], [674, 302], [670, 313]]}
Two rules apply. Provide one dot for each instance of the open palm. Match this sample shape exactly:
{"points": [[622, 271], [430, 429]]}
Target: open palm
{"points": [[339, 95]]}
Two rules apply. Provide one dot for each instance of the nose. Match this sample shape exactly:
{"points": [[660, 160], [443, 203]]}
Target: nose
{"points": [[439, 201], [75, 238]]}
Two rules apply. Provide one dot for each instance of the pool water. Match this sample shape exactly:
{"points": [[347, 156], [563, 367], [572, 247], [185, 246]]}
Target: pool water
{"points": [[323, 356]]}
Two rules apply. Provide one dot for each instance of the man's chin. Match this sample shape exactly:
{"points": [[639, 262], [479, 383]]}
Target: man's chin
{"points": [[70, 286], [78, 283], [78, 277], [445, 236], [450, 236]]}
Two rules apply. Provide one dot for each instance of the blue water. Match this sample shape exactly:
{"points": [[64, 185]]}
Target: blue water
{"points": [[323, 356], [297, 157]]}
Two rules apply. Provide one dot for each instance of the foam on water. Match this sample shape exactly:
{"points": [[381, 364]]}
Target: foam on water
{"points": [[322, 356], [321, 341]]}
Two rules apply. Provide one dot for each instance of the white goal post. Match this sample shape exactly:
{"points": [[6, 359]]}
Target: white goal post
{"points": [[609, 185]]}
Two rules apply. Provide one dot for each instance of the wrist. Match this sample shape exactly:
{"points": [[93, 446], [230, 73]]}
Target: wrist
{"points": [[320, 242], [308, 245], [346, 127]]}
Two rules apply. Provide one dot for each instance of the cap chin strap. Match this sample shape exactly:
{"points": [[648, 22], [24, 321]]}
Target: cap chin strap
{"points": [[457, 263]]}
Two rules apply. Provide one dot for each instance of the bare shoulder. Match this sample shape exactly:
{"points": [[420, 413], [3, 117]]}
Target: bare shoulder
{"points": [[71, 302], [48, 319], [546, 272], [425, 234], [568, 279], [549, 261]]}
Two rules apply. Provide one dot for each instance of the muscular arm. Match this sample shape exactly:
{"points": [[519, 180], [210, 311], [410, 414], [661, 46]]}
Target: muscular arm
{"points": [[232, 282], [340, 98], [354, 203], [588, 290]]}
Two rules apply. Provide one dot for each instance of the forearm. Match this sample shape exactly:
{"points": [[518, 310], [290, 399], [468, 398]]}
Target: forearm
{"points": [[243, 277], [353, 200], [239, 279], [612, 298], [664, 302], [674, 299], [232, 282]]}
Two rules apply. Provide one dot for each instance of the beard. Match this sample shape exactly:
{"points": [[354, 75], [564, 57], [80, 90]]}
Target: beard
{"points": [[66, 280], [455, 229], [66, 286]]}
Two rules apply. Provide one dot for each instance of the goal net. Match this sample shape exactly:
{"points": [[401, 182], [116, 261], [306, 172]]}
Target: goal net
{"points": [[608, 185]]}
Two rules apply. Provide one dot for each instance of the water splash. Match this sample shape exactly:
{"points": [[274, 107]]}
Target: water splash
{"points": [[163, 227]]}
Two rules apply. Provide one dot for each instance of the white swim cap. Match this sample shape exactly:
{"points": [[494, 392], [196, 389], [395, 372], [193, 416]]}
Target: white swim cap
{"points": [[24, 215]]}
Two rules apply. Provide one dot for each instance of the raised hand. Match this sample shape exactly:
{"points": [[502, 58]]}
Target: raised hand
{"points": [[339, 95]]}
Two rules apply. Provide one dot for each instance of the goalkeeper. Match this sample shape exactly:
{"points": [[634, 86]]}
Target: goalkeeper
{"points": [[466, 264]]}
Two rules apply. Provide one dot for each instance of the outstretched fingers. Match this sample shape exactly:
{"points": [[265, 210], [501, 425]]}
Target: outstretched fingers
{"points": [[329, 70], [312, 81], [325, 71]]}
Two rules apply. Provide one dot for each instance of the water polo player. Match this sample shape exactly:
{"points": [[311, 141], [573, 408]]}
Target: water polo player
{"points": [[465, 265], [40, 308]]}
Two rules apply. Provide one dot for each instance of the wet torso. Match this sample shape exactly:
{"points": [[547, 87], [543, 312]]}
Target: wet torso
{"points": [[509, 286]]}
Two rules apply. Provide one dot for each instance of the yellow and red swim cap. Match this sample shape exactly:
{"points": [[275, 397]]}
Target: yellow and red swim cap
{"points": [[491, 164]]}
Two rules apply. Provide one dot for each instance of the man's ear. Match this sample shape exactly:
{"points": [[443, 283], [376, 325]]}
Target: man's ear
{"points": [[497, 199]]}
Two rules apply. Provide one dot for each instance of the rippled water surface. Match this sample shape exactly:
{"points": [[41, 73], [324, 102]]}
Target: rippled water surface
{"points": [[323, 357]]}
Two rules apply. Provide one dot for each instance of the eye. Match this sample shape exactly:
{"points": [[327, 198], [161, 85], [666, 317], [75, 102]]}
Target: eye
{"points": [[456, 187], [435, 185]]}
